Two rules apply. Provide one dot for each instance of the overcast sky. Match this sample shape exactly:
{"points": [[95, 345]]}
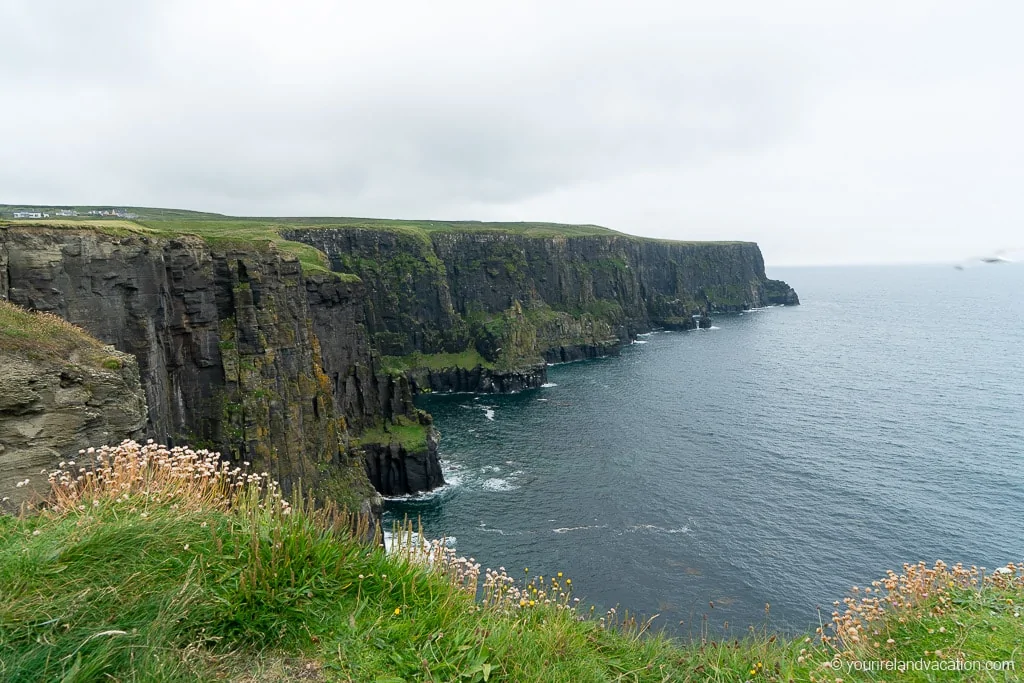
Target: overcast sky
{"points": [[829, 132]]}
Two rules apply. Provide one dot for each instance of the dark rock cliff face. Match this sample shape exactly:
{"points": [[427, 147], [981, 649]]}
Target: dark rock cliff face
{"points": [[237, 350], [520, 299], [361, 394]]}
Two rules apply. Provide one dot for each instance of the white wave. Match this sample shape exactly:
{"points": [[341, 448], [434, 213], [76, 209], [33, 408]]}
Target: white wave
{"points": [[488, 413], [497, 484], [548, 385], [490, 469], [389, 539], [659, 529], [567, 529], [645, 334], [421, 548], [714, 327], [451, 481], [639, 341], [389, 535], [541, 399]]}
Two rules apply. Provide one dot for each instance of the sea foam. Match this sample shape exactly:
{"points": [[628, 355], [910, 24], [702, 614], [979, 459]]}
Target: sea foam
{"points": [[497, 484]]}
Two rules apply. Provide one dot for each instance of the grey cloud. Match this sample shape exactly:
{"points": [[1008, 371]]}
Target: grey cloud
{"points": [[803, 124]]}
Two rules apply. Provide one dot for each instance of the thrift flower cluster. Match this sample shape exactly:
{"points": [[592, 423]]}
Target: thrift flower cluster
{"points": [[150, 472], [498, 591], [919, 592]]}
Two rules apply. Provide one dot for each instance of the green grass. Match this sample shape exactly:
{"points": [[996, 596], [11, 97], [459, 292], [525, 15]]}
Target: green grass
{"points": [[114, 227], [468, 359], [43, 336], [133, 588], [242, 232], [407, 433]]}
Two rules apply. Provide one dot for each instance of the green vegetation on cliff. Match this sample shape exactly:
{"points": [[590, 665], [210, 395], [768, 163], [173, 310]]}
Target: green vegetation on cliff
{"points": [[43, 336], [223, 233], [168, 565], [466, 360], [406, 433]]}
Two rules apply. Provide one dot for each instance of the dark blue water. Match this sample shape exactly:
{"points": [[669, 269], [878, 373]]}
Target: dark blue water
{"points": [[780, 458]]}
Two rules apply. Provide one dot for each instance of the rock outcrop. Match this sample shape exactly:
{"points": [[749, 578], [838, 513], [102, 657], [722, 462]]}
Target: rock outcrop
{"points": [[395, 470], [478, 380], [54, 404]]}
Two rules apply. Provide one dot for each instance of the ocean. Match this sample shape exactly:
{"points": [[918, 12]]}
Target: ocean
{"points": [[778, 459]]}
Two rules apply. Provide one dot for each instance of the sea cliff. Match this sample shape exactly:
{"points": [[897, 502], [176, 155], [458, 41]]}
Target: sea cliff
{"points": [[514, 302], [302, 352]]}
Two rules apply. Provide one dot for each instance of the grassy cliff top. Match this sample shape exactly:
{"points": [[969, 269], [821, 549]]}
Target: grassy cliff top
{"points": [[46, 337], [266, 232], [217, 227], [181, 221]]}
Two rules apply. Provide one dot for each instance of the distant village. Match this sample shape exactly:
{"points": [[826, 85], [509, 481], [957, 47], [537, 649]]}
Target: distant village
{"points": [[72, 213]]}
